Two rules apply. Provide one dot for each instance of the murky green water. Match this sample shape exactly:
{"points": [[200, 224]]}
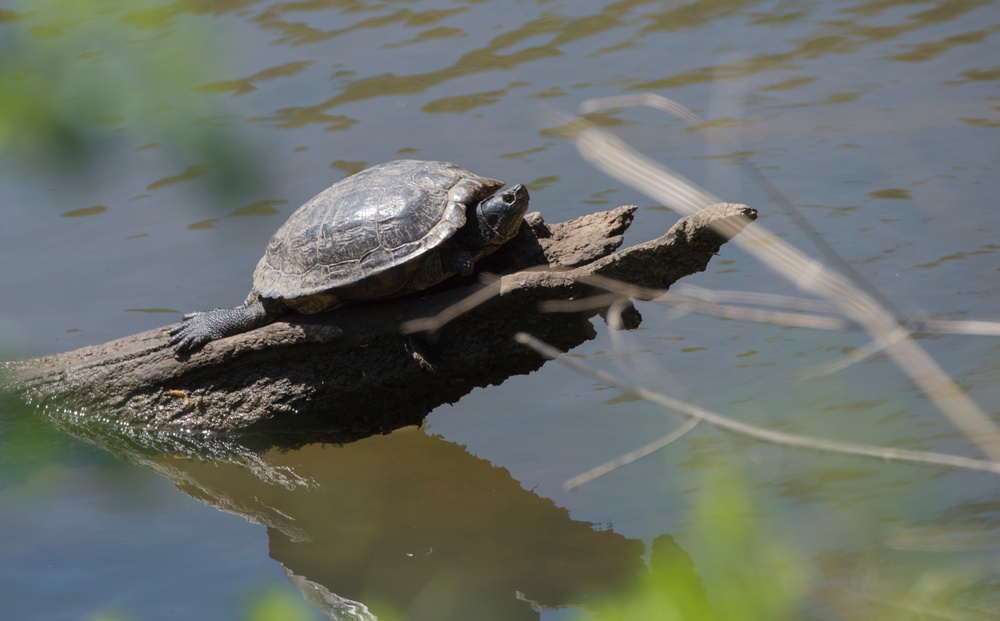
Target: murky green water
{"points": [[188, 132]]}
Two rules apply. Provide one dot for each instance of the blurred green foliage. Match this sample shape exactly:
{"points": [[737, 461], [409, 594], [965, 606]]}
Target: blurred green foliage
{"points": [[736, 563], [737, 572], [270, 604], [79, 76], [113, 615], [26, 441], [278, 605]]}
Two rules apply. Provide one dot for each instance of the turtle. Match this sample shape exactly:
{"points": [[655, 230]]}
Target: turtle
{"points": [[387, 231]]}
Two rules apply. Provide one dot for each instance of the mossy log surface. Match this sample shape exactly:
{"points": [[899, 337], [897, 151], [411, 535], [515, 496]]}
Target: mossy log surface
{"points": [[356, 370]]}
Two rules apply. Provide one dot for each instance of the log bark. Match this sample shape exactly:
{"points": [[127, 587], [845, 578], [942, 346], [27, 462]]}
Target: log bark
{"points": [[354, 371]]}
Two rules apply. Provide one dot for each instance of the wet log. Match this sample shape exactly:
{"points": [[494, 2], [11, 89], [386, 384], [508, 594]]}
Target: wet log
{"points": [[364, 370]]}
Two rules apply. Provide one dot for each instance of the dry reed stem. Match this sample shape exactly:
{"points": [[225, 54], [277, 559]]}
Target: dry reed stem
{"points": [[614, 157], [631, 456], [436, 322], [709, 302], [766, 435], [615, 322]]}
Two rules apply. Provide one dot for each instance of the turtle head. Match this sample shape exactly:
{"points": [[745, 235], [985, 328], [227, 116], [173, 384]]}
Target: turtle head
{"points": [[499, 217]]}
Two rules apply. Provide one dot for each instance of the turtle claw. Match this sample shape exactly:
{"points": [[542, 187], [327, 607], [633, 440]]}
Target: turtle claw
{"points": [[184, 342], [190, 335], [198, 329]]}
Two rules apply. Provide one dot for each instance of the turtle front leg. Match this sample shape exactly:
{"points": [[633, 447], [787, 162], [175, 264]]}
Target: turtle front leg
{"points": [[198, 329]]}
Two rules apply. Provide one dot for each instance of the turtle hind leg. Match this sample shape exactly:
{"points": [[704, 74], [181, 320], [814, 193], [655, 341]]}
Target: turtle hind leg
{"points": [[199, 329]]}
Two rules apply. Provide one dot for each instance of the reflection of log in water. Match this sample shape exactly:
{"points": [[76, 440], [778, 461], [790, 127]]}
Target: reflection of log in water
{"points": [[353, 369], [414, 524], [411, 523]]}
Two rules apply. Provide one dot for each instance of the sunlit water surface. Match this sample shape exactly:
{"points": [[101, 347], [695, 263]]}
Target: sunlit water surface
{"points": [[879, 120]]}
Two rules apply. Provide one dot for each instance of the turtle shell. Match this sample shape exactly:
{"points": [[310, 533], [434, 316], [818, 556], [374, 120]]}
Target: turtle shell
{"points": [[373, 235]]}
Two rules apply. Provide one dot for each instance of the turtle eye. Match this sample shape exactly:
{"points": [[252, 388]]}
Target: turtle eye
{"points": [[507, 197]]}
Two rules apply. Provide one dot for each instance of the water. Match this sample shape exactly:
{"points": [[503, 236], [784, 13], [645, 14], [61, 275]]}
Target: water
{"points": [[878, 120]]}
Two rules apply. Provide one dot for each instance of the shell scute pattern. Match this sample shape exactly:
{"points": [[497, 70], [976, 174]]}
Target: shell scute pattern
{"points": [[361, 236]]}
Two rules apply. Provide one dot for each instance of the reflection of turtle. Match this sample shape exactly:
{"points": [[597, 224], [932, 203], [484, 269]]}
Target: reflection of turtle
{"points": [[389, 230]]}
